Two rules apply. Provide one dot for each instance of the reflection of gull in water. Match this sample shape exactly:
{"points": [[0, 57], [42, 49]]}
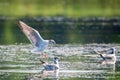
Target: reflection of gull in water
{"points": [[109, 57], [35, 38], [50, 68]]}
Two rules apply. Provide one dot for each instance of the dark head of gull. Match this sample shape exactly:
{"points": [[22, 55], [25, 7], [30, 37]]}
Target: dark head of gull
{"points": [[111, 51], [52, 42], [56, 60]]}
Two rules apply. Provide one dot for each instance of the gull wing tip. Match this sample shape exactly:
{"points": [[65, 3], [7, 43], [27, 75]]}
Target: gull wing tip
{"points": [[20, 23]]}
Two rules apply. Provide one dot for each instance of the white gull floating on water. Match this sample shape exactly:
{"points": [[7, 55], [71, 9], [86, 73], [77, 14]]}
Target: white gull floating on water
{"points": [[35, 38]]}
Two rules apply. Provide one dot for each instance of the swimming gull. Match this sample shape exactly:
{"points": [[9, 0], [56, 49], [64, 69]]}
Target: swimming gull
{"points": [[35, 38], [109, 57], [48, 68]]}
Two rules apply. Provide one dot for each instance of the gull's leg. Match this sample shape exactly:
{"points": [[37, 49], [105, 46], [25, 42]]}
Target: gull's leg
{"points": [[44, 55]]}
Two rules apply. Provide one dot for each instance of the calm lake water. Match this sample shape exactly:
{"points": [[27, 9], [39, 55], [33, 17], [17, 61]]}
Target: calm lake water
{"points": [[76, 39]]}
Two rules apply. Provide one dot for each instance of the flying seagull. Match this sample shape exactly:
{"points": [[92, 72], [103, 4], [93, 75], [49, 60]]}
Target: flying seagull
{"points": [[35, 38], [109, 57], [50, 68]]}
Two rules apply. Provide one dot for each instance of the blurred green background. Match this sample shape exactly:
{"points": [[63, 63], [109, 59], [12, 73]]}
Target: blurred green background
{"points": [[66, 21], [71, 8]]}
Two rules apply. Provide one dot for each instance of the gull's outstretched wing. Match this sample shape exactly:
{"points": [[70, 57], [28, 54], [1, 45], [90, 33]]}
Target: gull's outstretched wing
{"points": [[32, 34]]}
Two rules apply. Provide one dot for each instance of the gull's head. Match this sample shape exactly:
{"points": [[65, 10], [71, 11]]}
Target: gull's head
{"points": [[111, 51], [52, 42], [55, 60]]}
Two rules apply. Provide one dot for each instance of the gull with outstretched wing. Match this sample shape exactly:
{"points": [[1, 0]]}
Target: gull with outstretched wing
{"points": [[35, 38]]}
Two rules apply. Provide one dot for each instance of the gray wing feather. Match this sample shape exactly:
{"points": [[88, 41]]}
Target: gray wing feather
{"points": [[50, 67], [35, 38], [32, 34]]}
